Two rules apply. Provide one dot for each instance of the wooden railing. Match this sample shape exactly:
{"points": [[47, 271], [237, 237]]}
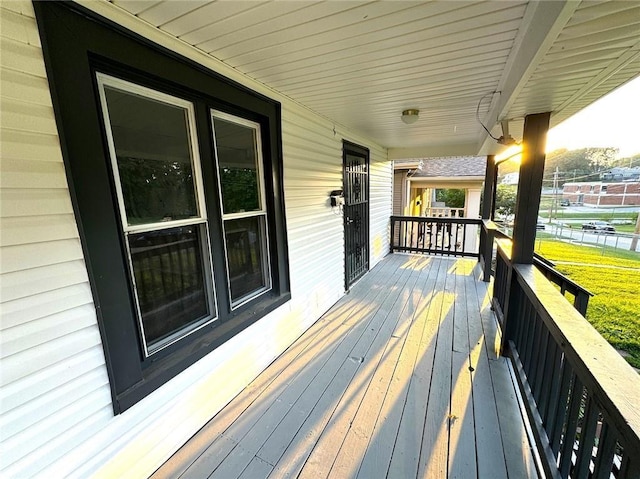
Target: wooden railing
{"points": [[580, 295], [582, 398], [446, 236], [490, 232], [444, 212]]}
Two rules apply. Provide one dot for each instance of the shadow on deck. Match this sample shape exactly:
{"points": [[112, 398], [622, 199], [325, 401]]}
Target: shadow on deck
{"points": [[400, 379]]}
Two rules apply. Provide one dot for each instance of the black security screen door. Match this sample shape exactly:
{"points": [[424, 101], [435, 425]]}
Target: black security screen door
{"points": [[355, 161]]}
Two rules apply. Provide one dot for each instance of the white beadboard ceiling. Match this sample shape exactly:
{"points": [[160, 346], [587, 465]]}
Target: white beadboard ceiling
{"points": [[361, 63]]}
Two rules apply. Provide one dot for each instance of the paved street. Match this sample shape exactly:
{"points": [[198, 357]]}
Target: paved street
{"points": [[618, 240]]}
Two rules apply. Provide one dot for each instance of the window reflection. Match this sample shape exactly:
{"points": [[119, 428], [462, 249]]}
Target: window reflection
{"points": [[153, 151], [238, 168], [246, 244], [170, 286]]}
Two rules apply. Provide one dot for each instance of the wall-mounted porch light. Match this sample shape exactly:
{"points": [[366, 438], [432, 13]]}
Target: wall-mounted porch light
{"points": [[513, 152], [410, 116]]}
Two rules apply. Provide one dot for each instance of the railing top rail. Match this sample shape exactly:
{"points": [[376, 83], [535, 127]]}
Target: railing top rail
{"points": [[614, 384], [435, 219], [541, 262], [548, 267], [504, 246], [494, 227], [539, 257]]}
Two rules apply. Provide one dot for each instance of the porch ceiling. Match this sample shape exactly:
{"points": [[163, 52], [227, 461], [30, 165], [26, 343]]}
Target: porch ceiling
{"points": [[362, 63]]}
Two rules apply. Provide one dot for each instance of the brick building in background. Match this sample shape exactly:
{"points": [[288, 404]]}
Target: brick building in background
{"points": [[602, 194]]}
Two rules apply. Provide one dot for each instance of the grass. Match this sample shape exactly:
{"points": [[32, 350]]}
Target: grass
{"points": [[625, 228], [615, 309], [563, 251]]}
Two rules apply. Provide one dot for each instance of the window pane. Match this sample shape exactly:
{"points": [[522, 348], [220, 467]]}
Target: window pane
{"points": [[170, 280], [237, 160], [153, 151], [246, 251]]}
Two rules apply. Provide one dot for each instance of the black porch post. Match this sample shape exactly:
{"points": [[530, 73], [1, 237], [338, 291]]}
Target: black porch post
{"points": [[529, 186], [489, 193], [534, 141], [488, 205]]}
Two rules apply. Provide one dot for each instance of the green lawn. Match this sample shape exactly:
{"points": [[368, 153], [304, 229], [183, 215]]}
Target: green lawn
{"points": [[625, 228], [615, 309]]}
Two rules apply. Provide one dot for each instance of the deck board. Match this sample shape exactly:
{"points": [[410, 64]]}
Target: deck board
{"points": [[489, 448], [435, 438], [377, 455], [408, 442], [329, 445], [299, 449], [399, 379], [462, 444]]}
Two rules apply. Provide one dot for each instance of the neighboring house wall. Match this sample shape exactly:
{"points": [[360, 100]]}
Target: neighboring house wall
{"points": [[421, 189], [419, 203], [398, 192], [56, 413], [510, 179]]}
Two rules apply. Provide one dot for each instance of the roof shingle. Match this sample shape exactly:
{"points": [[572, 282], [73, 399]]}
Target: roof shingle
{"points": [[450, 166]]}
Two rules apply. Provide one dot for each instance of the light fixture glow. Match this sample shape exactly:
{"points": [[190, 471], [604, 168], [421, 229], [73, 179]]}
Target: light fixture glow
{"points": [[410, 116], [513, 152]]}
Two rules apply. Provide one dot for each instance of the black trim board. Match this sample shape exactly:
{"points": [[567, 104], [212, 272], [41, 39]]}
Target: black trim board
{"points": [[77, 43]]}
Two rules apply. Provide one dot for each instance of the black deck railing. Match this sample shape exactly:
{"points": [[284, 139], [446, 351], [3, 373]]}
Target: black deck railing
{"points": [[582, 398], [580, 295], [445, 236], [490, 232]]}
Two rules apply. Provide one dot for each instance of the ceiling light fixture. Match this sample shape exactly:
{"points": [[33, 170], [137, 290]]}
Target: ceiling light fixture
{"points": [[410, 116]]}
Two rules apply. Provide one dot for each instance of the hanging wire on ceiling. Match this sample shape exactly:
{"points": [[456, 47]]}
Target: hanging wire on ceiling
{"points": [[478, 113]]}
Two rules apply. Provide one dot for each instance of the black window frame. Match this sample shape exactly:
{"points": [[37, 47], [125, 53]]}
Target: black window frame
{"points": [[77, 43]]}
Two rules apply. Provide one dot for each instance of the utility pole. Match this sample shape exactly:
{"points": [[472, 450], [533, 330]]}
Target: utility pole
{"points": [[634, 240], [554, 202]]}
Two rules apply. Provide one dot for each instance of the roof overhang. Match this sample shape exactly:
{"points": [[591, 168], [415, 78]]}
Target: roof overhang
{"points": [[360, 64], [460, 182]]}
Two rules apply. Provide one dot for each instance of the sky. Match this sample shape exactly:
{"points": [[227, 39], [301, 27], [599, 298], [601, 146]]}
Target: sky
{"points": [[614, 120]]}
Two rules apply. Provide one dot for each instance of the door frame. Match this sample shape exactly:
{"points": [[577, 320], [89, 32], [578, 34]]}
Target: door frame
{"points": [[354, 149]]}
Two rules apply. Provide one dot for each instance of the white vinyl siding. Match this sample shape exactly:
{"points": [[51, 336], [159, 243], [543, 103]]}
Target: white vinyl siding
{"points": [[398, 178], [56, 416], [380, 204], [54, 389]]}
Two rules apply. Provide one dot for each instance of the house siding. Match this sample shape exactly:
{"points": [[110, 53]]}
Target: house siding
{"points": [[398, 178], [56, 415]]}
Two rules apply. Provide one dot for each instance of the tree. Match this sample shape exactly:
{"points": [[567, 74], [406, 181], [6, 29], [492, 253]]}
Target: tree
{"points": [[452, 198], [629, 162], [601, 158], [584, 164], [506, 200]]}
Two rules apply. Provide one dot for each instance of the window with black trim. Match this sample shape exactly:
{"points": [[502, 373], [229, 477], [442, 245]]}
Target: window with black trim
{"points": [[239, 157], [158, 185], [176, 180]]}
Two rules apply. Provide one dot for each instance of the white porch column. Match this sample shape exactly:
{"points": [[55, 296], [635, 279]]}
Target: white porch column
{"points": [[471, 210], [472, 203]]}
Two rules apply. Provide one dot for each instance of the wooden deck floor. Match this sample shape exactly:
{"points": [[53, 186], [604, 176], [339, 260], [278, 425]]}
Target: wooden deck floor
{"points": [[399, 379]]}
